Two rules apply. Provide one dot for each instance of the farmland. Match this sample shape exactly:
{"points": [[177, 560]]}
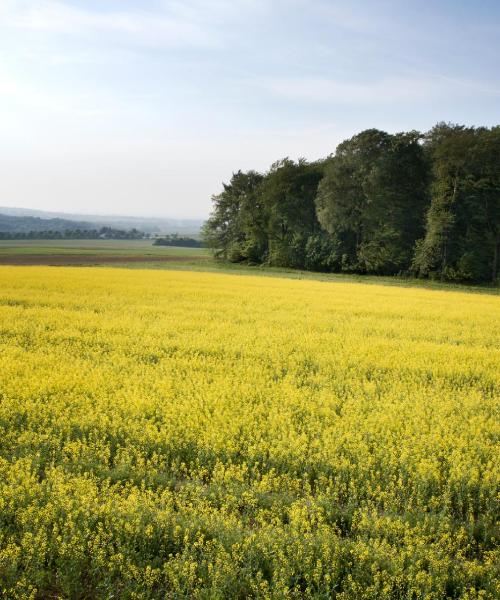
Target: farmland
{"points": [[173, 434], [96, 252]]}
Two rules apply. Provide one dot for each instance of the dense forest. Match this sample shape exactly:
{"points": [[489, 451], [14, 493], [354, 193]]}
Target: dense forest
{"points": [[426, 205]]}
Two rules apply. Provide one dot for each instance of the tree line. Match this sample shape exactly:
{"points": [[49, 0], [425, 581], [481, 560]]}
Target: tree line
{"points": [[176, 240], [108, 233], [425, 205]]}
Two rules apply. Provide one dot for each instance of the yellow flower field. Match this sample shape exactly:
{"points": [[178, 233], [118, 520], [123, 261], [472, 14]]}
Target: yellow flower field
{"points": [[196, 435]]}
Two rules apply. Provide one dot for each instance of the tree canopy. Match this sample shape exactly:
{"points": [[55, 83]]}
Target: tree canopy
{"points": [[404, 203]]}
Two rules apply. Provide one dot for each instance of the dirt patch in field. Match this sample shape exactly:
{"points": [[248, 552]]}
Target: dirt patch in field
{"points": [[59, 260]]}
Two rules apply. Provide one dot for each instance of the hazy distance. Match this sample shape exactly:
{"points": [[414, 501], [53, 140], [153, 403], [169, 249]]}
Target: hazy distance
{"points": [[143, 108]]}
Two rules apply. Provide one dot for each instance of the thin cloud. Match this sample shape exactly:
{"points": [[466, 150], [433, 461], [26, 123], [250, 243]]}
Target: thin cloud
{"points": [[354, 18], [382, 91], [140, 27]]}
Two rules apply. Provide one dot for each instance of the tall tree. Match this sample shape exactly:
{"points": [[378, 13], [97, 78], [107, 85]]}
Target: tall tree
{"points": [[488, 189], [463, 220], [225, 231], [396, 200], [288, 192], [373, 198]]}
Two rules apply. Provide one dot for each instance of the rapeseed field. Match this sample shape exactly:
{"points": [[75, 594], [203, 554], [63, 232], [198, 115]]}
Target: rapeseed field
{"points": [[197, 435]]}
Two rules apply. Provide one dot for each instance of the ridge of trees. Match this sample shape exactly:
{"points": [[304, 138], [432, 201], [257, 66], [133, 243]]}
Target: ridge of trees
{"points": [[426, 205], [108, 233]]}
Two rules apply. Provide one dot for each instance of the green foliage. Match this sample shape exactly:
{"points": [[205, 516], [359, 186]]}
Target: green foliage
{"points": [[382, 204], [230, 230], [373, 198], [288, 193], [462, 240], [266, 218], [322, 252], [179, 241]]}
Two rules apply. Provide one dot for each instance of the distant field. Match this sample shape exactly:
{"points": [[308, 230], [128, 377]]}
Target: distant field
{"points": [[199, 435], [95, 252], [141, 247]]}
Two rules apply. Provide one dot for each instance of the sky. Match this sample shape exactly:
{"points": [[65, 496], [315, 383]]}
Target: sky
{"points": [[146, 107]]}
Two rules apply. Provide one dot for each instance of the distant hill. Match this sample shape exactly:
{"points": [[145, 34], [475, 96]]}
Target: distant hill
{"points": [[147, 224], [12, 224]]}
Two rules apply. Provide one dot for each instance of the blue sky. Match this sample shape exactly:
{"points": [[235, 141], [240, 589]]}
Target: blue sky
{"points": [[131, 107]]}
